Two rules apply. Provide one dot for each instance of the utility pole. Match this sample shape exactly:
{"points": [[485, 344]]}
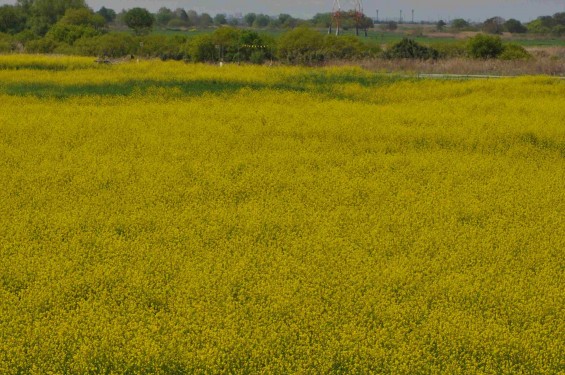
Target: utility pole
{"points": [[400, 19], [377, 16], [412, 15]]}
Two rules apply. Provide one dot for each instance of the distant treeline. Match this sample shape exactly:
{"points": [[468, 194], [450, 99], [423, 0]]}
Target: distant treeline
{"points": [[71, 27]]}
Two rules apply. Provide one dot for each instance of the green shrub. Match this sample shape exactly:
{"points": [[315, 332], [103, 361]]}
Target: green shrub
{"points": [[410, 49], [43, 45], [301, 46], [514, 52], [451, 50], [257, 57], [347, 48], [110, 45], [68, 33], [202, 49], [484, 46], [7, 43]]}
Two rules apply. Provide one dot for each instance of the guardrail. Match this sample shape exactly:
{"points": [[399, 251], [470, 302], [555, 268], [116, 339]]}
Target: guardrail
{"points": [[469, 76]]}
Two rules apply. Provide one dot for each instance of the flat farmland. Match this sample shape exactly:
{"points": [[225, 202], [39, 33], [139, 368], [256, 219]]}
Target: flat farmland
{"points": [[174, 218]]}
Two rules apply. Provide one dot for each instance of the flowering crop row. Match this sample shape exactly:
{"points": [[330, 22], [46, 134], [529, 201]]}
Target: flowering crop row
{"points": [[170, 218]]}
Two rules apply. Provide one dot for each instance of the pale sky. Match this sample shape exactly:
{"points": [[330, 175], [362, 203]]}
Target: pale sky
{"points": [[430, 10]]}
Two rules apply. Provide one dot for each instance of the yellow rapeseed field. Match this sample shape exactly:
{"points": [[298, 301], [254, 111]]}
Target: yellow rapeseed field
{"points": [[171, 218]]}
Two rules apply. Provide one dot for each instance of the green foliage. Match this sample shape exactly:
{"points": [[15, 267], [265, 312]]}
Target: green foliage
{"points": [[220, 19], [451, 50], [301, 46], [202, 49], [83, 17], [42, 45], [549, 24], [12, 19], [410, 49], [261, 21], [62, 32], [323, 20], [558, 30], [484, 46], [515, 27], [206, 20], [109, 45], [109, 15], [7, 43], [347, 48], [514, 52], [164, 16], [440, 25], [249, 19], [459, 24], [45, 13], [139, 20], [161, 46], [230, 45]]}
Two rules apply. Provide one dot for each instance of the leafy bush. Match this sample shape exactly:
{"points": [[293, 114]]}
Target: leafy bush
{"points": [[110, 45], [230, 45], [7, 43], [69, 33], [484, 46], [450, 50], [201, 49], [410, 49], [514, 52], [301, 46], [166, 48], [347, 48], [43, 45]]}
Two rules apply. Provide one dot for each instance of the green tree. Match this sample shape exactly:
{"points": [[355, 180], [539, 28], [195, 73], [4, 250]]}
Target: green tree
{"points": [[206, 20], [193, 18], [322, 20], [440, 25], [181, 15], [249, 19], [459, 24], [484, 46], [410, 49], [514, 26], [220, 19], [12, 19], [84, 17], [262, 20], [108, 14], [139, 20], [301, 46], [45, 13], [164, 16]]}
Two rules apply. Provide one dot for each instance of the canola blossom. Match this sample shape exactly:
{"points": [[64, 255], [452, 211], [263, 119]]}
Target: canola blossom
{"points": [[170, 218]]}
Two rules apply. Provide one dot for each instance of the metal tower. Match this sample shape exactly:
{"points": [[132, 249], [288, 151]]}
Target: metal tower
{"points": [[336, 17], [354, 12]]}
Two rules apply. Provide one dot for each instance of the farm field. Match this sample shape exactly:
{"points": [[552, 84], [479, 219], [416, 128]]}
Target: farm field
{"points": [[171, 218], [381, 37]]}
